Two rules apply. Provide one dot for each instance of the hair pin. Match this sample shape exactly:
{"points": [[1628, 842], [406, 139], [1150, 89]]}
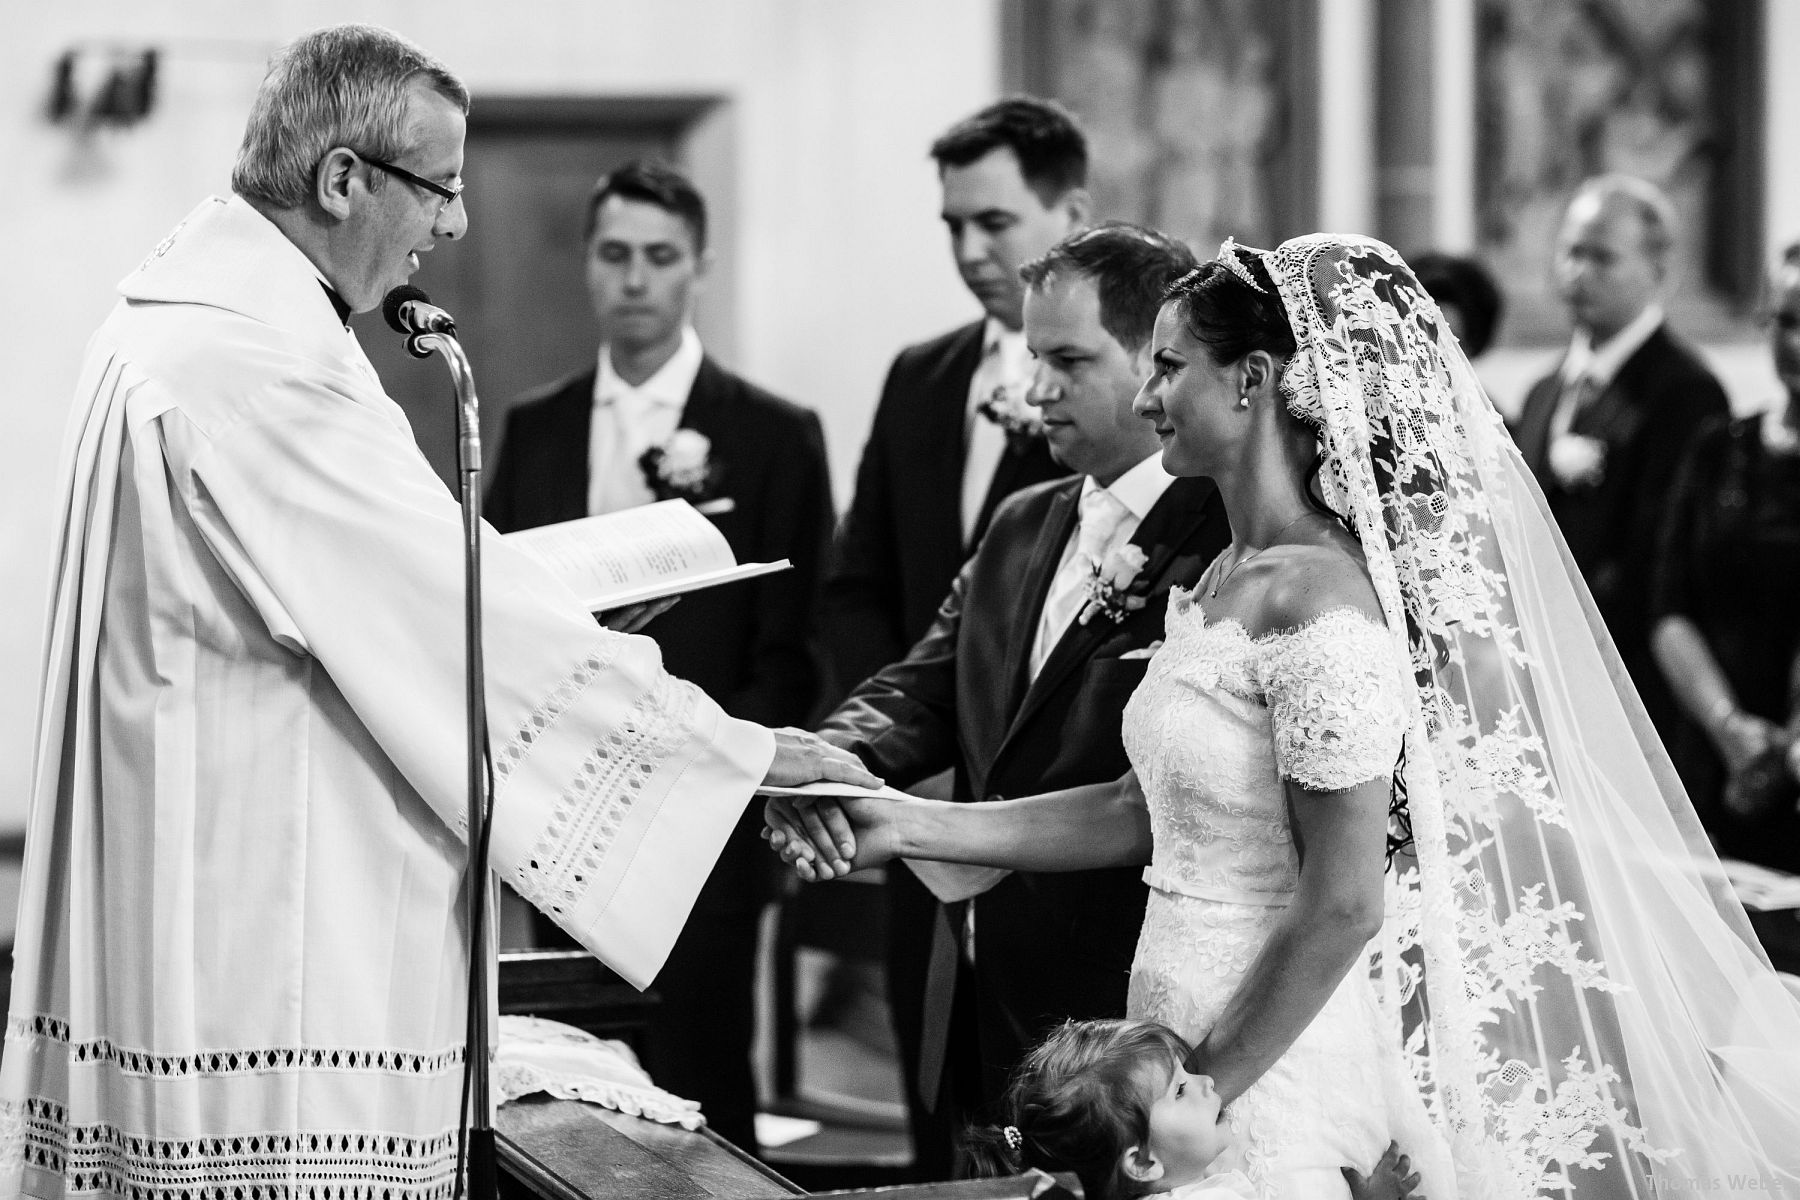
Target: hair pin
{"points": [[1014, 1139], [1228, 258]]}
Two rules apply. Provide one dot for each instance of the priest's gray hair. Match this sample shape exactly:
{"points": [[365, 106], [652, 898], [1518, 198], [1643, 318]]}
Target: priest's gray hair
{"points": [[342, 86]]}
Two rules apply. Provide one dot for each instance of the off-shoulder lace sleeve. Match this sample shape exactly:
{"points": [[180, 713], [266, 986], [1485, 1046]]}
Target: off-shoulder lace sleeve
{"points": [[1337, 701]]}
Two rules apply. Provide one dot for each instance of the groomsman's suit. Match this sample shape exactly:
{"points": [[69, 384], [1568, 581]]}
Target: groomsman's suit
{"points": [[1645, 415], [898, 549], [748, 645], [1046, 946], [902, 541]]}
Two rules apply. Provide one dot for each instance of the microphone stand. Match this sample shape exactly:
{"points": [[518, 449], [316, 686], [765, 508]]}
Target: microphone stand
{"points": [[483, 1176]]}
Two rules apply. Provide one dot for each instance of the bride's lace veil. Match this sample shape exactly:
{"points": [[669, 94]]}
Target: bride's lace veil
{"points": [[1583, 1002]]}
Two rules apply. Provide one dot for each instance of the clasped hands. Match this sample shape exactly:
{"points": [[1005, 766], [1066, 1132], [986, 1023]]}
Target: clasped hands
{"points": [[827, 837]]}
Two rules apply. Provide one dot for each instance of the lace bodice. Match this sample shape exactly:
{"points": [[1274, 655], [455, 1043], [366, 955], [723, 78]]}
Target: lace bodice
{"points": [[1222, 719], [1219, 724]]}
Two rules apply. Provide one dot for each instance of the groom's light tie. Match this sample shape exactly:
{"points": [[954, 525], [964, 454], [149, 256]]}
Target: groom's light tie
{"points": [[1102, 513], [615, 480]]}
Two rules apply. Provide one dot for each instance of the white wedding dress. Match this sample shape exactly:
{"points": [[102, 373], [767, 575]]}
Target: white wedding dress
{"points": [[1219, 723]]}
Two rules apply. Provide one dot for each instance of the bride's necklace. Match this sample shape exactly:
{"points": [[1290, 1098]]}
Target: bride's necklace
{"points": [[1243, 558]]}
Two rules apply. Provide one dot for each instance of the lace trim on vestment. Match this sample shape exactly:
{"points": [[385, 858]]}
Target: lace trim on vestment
{"points": [[592, 808], [233, 1061], [305, 1165], [545, 715]]}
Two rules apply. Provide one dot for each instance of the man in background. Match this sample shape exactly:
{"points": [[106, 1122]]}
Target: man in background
{"points": [[1605, 431], [657, 418], [938, 462]]}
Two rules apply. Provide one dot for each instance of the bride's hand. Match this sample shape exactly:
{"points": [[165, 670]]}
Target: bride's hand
{"points": [[827, 838], [1391, 1179]]}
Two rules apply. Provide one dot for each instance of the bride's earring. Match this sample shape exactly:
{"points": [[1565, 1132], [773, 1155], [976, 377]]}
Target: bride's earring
{"points": [[1243, 399]]}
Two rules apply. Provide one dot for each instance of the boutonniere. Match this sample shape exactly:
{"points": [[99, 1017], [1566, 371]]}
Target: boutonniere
{"points": [[1007, 408], [1578, 461], [1114, 589], [680, 467]]}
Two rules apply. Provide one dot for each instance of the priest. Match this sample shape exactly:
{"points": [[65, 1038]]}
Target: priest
{"points": [[240, 951]]}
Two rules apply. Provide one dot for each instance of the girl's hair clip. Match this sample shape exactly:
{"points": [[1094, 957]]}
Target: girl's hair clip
{"points": [[1014, 1139], [1228, 258]]}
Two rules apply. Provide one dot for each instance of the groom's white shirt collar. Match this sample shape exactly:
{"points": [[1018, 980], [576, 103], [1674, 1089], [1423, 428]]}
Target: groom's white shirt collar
{"points": [[667, 389], [1600, 363], [1137, 489]]}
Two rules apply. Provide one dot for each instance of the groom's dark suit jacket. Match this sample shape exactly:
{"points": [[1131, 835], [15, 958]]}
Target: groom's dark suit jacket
{"points": [[747, 645], [901, 542], [1048, 946]]}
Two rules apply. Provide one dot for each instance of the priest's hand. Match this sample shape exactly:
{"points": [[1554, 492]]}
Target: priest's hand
{"points": [[634, 617], [802, 757]]}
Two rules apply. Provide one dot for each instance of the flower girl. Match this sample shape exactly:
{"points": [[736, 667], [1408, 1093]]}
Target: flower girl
{"points": [[1109, 1102]]}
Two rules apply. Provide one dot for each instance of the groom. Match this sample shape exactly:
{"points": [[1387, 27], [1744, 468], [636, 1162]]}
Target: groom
{"points": [[1020, 692]]}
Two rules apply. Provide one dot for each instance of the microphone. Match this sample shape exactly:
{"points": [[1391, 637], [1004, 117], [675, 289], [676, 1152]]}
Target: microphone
{"points": [[409, 310]]}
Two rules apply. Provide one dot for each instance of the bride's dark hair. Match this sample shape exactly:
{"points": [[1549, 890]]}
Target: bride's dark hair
{"points": [[1077, 1103], [1222, 312]]}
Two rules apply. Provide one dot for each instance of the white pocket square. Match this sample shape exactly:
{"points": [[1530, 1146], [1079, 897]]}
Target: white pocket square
{"points": [[1143, 651], [713, 508]]}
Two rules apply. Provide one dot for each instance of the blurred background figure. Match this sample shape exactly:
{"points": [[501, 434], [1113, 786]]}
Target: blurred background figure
{"points": [[656, 418], [1728, 608], [1604, 431], [1468, 296]]}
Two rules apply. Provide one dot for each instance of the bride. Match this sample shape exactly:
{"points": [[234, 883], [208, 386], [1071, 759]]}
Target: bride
{"points": [[1418, 868]]}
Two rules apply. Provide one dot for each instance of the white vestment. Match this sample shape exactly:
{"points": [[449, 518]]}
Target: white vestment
{"points": [[241, 948]]}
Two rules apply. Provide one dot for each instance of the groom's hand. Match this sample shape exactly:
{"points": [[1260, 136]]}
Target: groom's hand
{"points": [[828, 837], [811, 834]]}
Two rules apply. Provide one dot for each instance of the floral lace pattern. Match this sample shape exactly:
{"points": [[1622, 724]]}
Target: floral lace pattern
{"points": [[1221, 718], [587, 816], [1481, 935], [1220, 721]]}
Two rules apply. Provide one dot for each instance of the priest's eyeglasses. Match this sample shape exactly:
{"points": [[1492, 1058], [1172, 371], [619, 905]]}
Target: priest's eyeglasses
{"points": [[447, 195]]}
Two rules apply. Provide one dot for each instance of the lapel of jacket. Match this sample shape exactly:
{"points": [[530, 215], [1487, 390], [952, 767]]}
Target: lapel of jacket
{"points": [[944, 418], [1616, 413], [707, 409], [1166, 529], [1046, 554], [571, 420], [1534, 419], [1010, 474]]}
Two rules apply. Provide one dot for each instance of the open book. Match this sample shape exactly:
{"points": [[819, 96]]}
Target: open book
{"points": [[637, 554]]}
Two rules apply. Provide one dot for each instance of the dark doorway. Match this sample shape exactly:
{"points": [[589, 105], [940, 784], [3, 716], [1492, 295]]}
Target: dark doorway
{"points": [[516, 284]]}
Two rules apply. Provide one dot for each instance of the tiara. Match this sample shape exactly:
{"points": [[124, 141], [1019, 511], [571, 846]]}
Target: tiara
{"points": [[1228, 258], [1014, 1139]]}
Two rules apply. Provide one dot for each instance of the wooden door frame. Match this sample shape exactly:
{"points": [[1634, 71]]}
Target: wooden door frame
{"points": [[702, 127]]}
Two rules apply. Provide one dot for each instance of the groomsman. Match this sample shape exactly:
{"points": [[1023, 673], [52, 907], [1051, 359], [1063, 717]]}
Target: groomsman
{"points": [[1606, 430], [1013, 179], [655, 418], [1020, 682]]}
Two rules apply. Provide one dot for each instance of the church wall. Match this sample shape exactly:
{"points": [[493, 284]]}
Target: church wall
{"points": [[839, 255]]}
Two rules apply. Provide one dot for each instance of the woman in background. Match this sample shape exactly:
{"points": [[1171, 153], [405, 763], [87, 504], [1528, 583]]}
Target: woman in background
{"points": [[1728, 605]]}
